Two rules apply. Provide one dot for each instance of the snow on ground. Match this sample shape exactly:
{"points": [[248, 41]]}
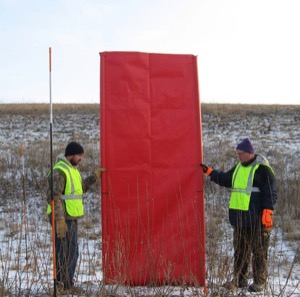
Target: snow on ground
{"points": [[26, 261]]}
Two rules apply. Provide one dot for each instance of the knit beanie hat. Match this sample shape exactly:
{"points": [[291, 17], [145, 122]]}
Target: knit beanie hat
{"points": [[246, 146], [73, 148]]}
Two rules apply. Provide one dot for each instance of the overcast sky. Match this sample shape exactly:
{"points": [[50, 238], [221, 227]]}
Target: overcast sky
{"points": [[248, 51]]}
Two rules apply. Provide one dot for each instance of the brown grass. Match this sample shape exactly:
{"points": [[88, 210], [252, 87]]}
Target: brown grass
{"points": [[218, 110], [223, 110], [43, 109]]}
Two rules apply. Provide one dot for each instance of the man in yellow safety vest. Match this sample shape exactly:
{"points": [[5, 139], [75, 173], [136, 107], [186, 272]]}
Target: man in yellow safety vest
{"points": [[68, 188], [252, 200]]}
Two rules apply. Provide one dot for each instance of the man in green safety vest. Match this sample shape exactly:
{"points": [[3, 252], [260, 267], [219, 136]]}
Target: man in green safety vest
{"points": [[68, 188], [252, 200]]}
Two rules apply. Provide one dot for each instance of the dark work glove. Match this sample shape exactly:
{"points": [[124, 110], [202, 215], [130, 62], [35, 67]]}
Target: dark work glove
{"points": [[61, 228], [206, 170], [98, 172]]}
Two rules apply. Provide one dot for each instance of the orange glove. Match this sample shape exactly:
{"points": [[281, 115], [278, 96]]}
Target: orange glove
{"points": [[207, 170], [267, 219]]}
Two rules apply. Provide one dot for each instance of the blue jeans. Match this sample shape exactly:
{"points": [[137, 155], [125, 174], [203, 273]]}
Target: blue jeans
{"points": [[67, 255]]}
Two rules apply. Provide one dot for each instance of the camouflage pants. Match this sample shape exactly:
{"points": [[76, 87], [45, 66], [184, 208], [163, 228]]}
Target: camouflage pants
{"points": [[251, 243]]}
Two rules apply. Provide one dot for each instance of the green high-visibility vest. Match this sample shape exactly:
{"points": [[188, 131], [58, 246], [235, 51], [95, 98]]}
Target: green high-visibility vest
{"points": [[242, 181], [73, 190], [242, 184]]}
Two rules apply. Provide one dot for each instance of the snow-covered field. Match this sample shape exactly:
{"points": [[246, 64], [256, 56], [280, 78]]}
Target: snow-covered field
{"points": [[25, 234]]}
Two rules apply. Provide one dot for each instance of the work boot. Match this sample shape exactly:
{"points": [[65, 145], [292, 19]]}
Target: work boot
{"points": [[60, 287], [63, 291], [76, 291], [243, 283], [256, 287], [233, 284], [230, 285]]}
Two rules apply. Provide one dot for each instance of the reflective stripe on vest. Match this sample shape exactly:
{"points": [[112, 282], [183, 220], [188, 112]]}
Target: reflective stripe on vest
{"points": [[73, 190], [242, 181]]}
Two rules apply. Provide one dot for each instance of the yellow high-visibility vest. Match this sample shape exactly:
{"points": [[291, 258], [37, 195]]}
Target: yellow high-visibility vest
{"points": [[242, 181], [73, 190]]}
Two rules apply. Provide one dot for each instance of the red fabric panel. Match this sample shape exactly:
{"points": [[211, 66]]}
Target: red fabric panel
{"points": [[153, 228]]}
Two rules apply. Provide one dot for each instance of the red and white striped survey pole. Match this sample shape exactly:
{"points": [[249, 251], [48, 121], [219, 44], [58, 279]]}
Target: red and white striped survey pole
{"points": [[51, 177]]}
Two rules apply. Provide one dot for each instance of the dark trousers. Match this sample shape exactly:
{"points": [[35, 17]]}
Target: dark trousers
{"points": [[67, 255], [251, 242]]}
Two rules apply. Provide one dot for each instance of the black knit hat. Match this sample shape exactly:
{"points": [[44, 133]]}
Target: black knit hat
{"points": [[73, 148]]}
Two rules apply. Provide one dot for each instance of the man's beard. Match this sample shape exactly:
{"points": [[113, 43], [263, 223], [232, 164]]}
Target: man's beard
{"points": [[73, 162]]}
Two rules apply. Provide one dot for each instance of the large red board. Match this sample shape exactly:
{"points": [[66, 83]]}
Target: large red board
{"points": [[153, 229]]}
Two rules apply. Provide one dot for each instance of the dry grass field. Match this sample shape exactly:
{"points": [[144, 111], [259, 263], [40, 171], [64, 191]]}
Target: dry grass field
{"points": [[25, 253]]}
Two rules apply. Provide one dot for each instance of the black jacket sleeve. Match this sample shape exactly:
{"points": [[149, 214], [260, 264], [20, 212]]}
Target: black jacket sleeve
{"points": [[223, 179]]}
